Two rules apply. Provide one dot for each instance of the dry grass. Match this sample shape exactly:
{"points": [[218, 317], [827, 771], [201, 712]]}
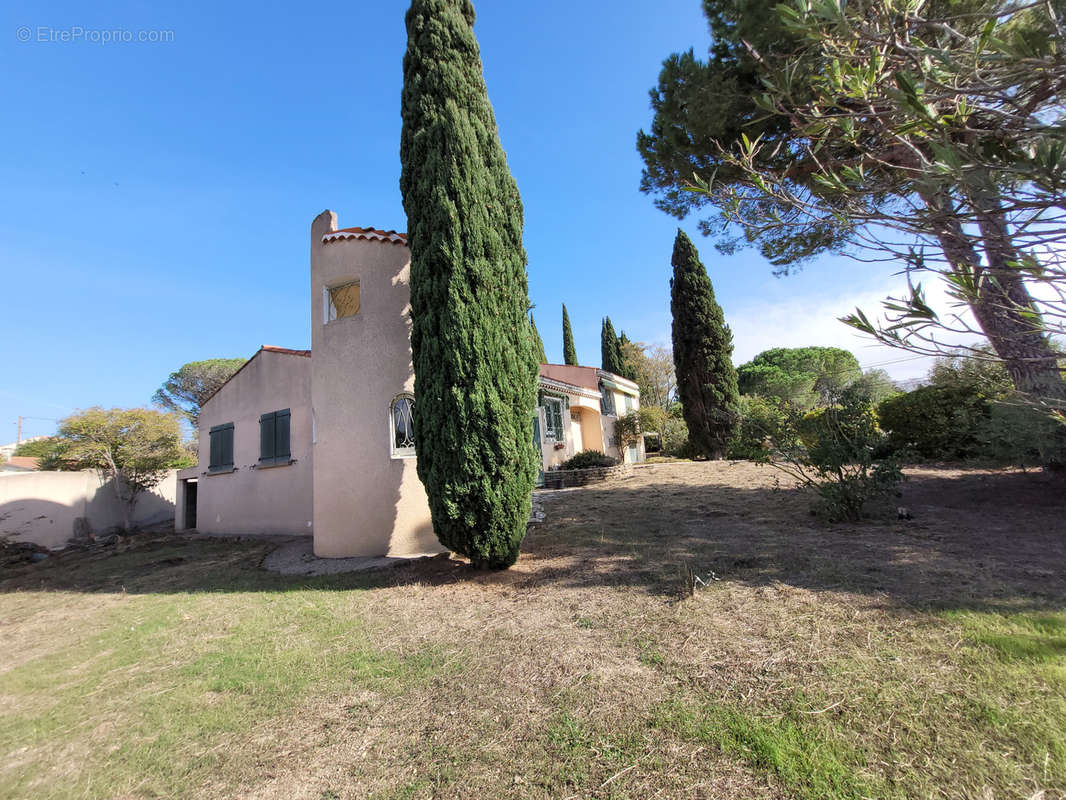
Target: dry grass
{"points": [[924, 658]]}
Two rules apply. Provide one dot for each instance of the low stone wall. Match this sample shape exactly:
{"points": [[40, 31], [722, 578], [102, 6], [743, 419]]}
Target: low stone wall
{"points": [[562, 478]]}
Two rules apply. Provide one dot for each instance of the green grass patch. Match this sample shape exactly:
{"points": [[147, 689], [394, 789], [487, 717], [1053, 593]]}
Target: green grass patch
{"points": [[1032, 637], [808, 760], [153, 701]]}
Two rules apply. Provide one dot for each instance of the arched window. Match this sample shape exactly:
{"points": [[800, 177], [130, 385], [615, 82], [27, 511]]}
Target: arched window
{"points": [[402, 426]]}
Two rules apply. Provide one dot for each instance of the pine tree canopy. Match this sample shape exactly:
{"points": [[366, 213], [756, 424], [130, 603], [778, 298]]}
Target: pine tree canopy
{"points": [[703, 353], [474, 359]]}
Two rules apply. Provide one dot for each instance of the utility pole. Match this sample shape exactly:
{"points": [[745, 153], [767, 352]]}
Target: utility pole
{"points": [[18, 436]]}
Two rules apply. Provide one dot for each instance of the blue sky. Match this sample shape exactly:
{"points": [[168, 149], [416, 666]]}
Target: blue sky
{"points": [[157, 196]]}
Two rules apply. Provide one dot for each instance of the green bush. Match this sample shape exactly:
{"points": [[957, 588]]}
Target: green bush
{"points": [[1018, 434], [675, 438], [839, 458], [588, 459], [760, 422], [935, 422]]}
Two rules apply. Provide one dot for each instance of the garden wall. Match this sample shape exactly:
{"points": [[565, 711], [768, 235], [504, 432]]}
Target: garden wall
{"points": [[41, 507], [562, 478]]}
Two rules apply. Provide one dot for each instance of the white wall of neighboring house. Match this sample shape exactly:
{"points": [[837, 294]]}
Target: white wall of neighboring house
{"points": [[8, 450], [41, 507]]}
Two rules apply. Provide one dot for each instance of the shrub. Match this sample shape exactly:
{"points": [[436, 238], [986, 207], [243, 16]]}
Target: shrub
{"points": [[1014, 433], [760, 422], [935, 422], [588, 459], [675, 438], [839, 462]]}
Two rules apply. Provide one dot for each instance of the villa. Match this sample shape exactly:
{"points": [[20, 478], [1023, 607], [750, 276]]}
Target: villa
{"points": [[321, 441]]}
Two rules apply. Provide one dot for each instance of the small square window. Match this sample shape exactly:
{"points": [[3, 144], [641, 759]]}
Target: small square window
{"points": [[342, 301]]}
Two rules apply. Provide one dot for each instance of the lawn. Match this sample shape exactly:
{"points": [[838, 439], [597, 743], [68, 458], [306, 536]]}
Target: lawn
{"points": [[893, 659]]}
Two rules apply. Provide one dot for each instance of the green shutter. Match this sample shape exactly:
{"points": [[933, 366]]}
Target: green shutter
{"points": [[266, 435], [221, 447], [281, 435]]}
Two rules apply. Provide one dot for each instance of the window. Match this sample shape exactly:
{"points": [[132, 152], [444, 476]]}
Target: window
{"points": [[341, 301], [606, 400], [402, 426], [629, 402], [553, 418], [221, 451], [274, 438]]}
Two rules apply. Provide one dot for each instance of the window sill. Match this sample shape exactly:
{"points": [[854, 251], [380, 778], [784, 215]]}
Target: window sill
{"points": [[220, 471], [272, 462], [400, 455]]}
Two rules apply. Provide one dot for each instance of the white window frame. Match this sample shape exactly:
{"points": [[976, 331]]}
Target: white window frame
{"points": [[399, 452], [327, 302], [549, 434]]}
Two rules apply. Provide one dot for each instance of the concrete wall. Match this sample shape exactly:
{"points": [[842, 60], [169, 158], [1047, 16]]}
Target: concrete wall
{"points": [[251, 498], [40, 507], [366, 502]]}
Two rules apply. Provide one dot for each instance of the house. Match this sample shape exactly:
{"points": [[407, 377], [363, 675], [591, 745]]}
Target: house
{"points": [[20, 464], [320, 441]]}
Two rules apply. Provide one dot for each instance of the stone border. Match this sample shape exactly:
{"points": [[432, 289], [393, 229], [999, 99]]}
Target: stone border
{"points": [[565, 478]]}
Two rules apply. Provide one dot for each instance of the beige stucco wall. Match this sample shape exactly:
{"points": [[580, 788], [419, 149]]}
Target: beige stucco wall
{"points": [[366, 502], [253, 499], [40, 507]]}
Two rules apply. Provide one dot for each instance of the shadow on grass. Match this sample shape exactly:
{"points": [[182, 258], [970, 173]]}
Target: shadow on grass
{"points": [[988, 541]]}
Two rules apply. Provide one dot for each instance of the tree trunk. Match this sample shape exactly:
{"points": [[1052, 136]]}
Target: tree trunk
{"points": [[1003, 306], [1007, 313]]}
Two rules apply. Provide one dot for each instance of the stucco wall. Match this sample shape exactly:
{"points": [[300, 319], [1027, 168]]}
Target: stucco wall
{"points": [[254, 499], [366, 502], [40, 507]]}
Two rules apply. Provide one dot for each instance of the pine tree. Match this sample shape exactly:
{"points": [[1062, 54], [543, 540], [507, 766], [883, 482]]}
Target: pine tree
{"points": [[610, 348], [538, 343], [473, 352], [569, 352], [703, 353]]}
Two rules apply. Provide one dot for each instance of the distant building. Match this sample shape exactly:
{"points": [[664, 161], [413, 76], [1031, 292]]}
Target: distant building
{"points": [[8, 450], [20, 464], [321, 441]]}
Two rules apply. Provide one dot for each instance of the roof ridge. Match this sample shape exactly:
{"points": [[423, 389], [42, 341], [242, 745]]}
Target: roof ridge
{"points": [[368, 234]]}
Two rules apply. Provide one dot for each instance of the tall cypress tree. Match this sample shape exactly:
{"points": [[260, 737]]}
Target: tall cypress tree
{"points": [[474, 359], [569, 351], [703, 353], [538, 343], [610, 348], [626, 366]]}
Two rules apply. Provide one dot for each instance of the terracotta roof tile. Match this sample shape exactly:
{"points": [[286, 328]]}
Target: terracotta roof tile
{"points": [[576, 376], [369, 234], [272, 349], [23, 462]]}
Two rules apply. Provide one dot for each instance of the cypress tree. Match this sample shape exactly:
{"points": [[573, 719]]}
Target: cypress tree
{"points": [[626, 365], [538, 343], [569, 351], [703, 354], [610, 348], [473, 352]]}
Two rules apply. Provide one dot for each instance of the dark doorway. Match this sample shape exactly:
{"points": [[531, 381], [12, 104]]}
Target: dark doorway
{"points": [[190, 504]]}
